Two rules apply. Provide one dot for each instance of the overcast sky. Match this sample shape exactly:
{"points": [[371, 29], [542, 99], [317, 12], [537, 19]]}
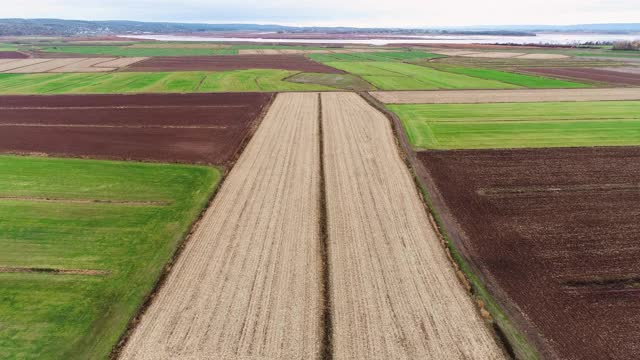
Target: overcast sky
{"points": [[401, 13]]}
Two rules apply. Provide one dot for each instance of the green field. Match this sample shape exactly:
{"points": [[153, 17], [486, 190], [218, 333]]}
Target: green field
{"points": [[340, 81], [401, 76], [528, 81], [121, 220], [375, 56], [133, 51], [521, 125], [137, 82]]}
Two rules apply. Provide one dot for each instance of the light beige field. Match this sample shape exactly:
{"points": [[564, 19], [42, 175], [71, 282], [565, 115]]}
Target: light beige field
{"points": [[14, 64], [494, 54], [64, 65], [394, 293], [543, 56], [248, 284], [46, 66], [86, 65], [496, 96], [121, 62]]}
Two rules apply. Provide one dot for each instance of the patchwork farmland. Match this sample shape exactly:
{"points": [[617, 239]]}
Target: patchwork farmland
{"points": [[467, 207]]}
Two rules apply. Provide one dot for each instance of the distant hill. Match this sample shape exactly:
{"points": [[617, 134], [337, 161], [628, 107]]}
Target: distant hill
{"points": [[58, 27]]}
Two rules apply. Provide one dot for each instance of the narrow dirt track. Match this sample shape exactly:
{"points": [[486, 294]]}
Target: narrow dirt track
{"points": [[496, 96], [249, 282], [394, 294]]}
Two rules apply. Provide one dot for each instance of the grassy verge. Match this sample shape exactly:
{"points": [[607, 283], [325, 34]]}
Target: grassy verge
{"points": [[521, 125], [162, 82], [114, 225], [516, 341], [338, 81]]}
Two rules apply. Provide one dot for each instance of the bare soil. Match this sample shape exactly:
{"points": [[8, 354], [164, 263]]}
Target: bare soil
{"points": [[201, 128], [394, 293], [599, 75], [232, 62], [555, 234], [12, 55]]}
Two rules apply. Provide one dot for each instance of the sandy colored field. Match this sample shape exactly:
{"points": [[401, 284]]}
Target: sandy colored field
{"points": [[394, 293], [495, 96], [50, 65], [496, 55], [543, 56], [626, 69], [248, 284], [86, 65], [121, 62], [64, 65], [14, 64]]}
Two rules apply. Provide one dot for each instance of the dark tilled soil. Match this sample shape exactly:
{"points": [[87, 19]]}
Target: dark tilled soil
{"points": [[556, 233], [198, 128], [606, 76], [12, 55], [232, 62]]}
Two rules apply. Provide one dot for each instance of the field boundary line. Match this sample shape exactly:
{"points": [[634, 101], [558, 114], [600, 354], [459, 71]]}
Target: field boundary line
{"points": [[86, 201], [53, 271], [326, 352], [475, 289]]}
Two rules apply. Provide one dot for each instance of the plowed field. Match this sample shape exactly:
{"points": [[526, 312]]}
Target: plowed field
{"points": [[605, 76], [237, 62], [188, 128], [248, 285], [555, 232], [394, 294]]}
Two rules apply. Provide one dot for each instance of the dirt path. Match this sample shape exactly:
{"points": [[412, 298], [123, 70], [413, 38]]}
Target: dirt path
{"points": [[394, 294], [248, 285], [495, 96]]}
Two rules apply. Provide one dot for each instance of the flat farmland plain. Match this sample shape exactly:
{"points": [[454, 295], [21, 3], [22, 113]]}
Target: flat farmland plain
{"points": [[237, 62], [83, 242], [394, 293], [206, 128], [249, 282], [518, 125], [555, 233]]}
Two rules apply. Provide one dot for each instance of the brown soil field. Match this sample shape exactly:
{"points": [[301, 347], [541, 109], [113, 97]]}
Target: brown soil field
{"points": [[496, 96], [394, 294], [236, 62], [12, 55], [555, 234], [599, 75], [248, 284], [204, 128]]}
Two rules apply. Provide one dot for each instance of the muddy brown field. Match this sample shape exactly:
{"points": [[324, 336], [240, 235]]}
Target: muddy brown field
{"points": [[235, 62], [599, 75], [555, 233], [12, 55], [202, 128]]}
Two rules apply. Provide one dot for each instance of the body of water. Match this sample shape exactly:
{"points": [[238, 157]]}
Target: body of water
{"points": [[542, 38]]}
